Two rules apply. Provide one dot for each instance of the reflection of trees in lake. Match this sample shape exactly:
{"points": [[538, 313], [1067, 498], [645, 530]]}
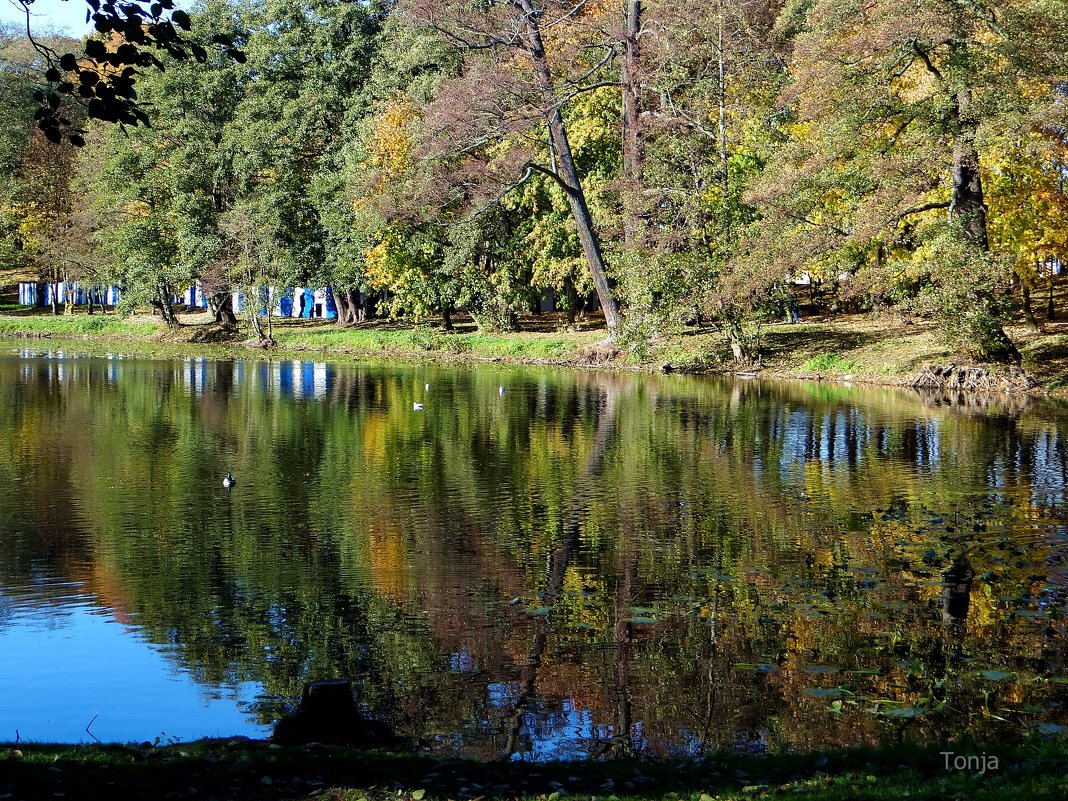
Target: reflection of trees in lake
{"points": [[819, 528]]}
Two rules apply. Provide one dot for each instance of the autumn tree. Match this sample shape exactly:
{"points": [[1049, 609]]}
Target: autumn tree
{"points": [[1027, 190], [502, 118], [705, 82], [884, 178]]}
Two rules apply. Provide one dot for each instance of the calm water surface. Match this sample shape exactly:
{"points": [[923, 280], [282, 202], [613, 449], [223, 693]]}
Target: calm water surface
{"points": [[576, 566]]}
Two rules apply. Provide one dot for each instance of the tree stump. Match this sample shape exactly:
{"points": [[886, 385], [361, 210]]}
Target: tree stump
{"points": [[329, 714]]}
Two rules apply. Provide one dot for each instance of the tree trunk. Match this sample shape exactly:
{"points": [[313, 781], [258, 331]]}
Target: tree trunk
{"points": [[68, 298], [224, 310], [1051, 311], [341, 300], [743, 346], [633, 153], [89, 301], [1028, 312], [967, 200], [567, 173], [446, 316], [264, 338], [370, 306], [166, 311], [968, 203]]}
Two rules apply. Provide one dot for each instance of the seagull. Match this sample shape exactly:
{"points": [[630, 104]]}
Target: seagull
{"points": [[500, 390], [417, 407], [229, 480], [426, 387]]}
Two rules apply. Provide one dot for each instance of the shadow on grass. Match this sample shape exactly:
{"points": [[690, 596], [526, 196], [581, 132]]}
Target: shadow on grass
{"points": [[786, 343], [1047, 358], [240, 769]]}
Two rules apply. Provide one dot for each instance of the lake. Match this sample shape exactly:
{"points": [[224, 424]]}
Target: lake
{"points": [[526, 563]]}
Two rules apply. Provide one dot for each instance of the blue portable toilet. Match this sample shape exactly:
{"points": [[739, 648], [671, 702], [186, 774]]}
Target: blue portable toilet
{"points": [[285, 304], [56, 293], [308, 305], [324, 306], [28, 295]]}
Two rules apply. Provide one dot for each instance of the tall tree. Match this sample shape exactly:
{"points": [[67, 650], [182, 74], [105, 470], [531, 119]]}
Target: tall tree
{"points": [[896, 104], [528, 60]]}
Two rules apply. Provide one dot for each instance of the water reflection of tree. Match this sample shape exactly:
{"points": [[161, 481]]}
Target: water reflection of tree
{"points": [[588, 484], [802, 526]]}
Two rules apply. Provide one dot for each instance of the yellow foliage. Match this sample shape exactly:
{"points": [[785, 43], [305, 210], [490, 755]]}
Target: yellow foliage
{"points": [[391, 147], [1028, 201]]}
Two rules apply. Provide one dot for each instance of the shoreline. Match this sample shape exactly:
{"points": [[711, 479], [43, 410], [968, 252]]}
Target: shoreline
{"points": [[839, 350]]}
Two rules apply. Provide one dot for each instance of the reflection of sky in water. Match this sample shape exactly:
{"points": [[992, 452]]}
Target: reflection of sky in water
{"points": [[562, 734], [135, 693], [569, 732]]}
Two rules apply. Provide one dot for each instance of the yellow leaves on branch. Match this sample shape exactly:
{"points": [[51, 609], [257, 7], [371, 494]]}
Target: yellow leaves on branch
{"points": [[391, 147], [389, 152], [1026, 193]]}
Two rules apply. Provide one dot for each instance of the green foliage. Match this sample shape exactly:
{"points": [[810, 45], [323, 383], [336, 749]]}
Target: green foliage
{"points": [[957, 282], [829, 363]]}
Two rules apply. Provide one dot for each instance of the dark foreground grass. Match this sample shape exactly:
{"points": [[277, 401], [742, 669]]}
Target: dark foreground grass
{"points": [[242, 769]]}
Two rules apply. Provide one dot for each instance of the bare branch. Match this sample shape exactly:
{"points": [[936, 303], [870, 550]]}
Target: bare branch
{"points": [[527, 175]]}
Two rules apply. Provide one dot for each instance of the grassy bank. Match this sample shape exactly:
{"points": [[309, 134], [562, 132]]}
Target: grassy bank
{"points": [[242, 769], [862, 348]]}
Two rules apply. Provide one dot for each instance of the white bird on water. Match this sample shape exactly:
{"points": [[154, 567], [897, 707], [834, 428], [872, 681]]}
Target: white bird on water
{"points": [[229, 480], [500, 390], [426, 387], [417, 407]]}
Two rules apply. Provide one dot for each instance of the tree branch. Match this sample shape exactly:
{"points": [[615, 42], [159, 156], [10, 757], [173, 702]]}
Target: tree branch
{"points": [[939, 204], [931, 68], [493, 201]]}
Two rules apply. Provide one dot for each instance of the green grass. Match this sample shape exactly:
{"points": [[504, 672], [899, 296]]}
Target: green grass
{"points": [[240, 769], [830, 363], [12, 325], [519, 346], [873, 349]]}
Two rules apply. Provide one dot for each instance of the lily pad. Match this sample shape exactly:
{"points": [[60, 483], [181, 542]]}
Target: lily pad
{"points": [[1051, 728], [996, 675], [640, 620], [541, 611], [822, 669], [827, 692], [904, 712]]}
